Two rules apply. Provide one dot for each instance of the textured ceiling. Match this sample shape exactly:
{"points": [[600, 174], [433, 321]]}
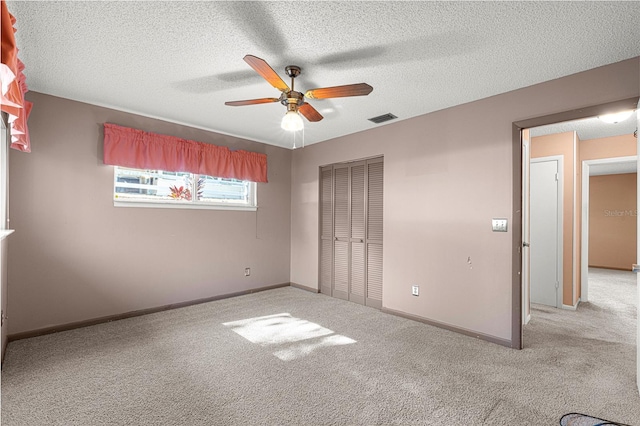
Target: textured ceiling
{"points": [[613, 168], [180, 61], [594, 128], [590, 128]]}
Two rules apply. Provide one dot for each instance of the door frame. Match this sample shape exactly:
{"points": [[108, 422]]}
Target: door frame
{"points": [[526, 231], [638, 248], [516, 188], [584, 263], [559, 224]]}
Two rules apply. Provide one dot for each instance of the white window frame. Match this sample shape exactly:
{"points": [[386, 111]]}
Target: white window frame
{"points": [[4, 174], [4, 177], [183, 204]]}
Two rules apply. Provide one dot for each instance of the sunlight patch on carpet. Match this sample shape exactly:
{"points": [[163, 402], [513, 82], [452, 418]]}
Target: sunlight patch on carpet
{"points": [[305, 348], [298, 336]]}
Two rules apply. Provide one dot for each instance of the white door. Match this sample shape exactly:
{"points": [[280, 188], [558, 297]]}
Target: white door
{"points": [[545, 231]]}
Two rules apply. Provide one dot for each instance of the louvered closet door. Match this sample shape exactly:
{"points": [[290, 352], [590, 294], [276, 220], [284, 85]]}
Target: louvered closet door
{"points": [[357, 275], [375, 174], [340, 287], [326, 229]]}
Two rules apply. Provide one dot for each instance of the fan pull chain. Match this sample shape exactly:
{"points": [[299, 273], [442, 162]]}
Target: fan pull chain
{"points": [[294, 139]]}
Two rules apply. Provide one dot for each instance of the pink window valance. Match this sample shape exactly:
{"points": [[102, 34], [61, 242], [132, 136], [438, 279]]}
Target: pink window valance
{"points": [[127, 147], [13, 83]]}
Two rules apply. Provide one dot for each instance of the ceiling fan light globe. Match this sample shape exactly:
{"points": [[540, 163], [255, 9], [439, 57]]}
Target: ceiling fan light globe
{"points": [[292, 122]]}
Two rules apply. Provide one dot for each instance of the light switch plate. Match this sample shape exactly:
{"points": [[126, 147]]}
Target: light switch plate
{"points": [[499, 225]]}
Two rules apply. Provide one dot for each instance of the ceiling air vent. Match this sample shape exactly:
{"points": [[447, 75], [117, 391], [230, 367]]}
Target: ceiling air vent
{"points": [[382, 118]]}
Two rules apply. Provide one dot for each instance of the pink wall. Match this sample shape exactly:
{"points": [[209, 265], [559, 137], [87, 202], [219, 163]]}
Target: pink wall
{"points": [[615, 146], [74, 256], [611, 147], [612, 221], [446, 175]]}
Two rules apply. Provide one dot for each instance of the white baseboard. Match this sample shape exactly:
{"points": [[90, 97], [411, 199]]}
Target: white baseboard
{"points": [[571, 307]]}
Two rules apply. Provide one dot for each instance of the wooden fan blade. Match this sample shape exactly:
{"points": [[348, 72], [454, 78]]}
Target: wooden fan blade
{"points": [[263, 68], [252, 102], [310, 113], [360, 89]]}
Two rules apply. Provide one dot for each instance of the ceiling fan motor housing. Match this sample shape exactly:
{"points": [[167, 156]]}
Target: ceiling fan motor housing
{"points": [[291, 97]]}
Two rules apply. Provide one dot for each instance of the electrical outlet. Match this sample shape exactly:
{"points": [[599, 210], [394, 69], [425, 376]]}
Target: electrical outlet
{"points": [[247, 272], [415, 290]]}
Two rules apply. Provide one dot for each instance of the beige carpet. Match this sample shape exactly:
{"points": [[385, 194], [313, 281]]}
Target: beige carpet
{"points": [[289, 357]]}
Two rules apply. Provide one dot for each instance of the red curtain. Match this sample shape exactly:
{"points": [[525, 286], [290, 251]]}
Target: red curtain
{"points": [[135, 148], [13, 84]]}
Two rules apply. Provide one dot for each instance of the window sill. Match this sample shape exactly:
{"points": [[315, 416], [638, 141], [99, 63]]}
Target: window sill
{"points": [[173, 205], [4, 233]]}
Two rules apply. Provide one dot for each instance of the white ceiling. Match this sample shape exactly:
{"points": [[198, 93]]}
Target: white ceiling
{"points": [[617, 168], [180, 61], [594, 128], [589, 128]]}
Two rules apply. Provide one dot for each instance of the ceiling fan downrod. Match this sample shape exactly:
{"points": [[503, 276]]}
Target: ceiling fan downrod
{"points": [[292, 71], [290, 98]]}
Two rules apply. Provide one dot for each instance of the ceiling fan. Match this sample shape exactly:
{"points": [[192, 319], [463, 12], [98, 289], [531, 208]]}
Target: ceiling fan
{"points": [[295, 101]]}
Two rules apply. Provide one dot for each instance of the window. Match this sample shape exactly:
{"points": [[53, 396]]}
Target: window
{"points": [[157, 188]]}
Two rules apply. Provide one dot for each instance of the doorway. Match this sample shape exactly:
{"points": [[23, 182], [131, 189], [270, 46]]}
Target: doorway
{"points": [[519, 239], [520, 130], [598, 167]]}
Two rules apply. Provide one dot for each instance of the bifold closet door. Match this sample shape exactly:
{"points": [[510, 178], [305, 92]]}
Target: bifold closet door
{"points": [[357, 270], [326, 229], [375, 175], [350, 258], [341, 232]]}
